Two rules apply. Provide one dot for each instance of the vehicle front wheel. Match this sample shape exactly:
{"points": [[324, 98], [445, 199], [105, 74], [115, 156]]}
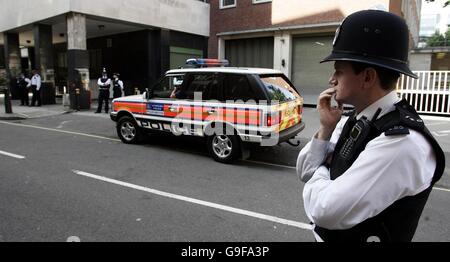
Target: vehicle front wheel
{"points": [[224, 148], [128, 130]]}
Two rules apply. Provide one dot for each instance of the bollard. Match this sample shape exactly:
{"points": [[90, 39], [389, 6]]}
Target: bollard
{"points": [[77, 99], [8, 107], [65, 97]]}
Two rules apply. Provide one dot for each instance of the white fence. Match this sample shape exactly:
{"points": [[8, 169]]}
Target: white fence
{"points": [[429, 94]]}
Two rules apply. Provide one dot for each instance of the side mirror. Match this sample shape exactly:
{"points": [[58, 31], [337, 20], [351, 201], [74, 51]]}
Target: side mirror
{"points": [[147, 94]]}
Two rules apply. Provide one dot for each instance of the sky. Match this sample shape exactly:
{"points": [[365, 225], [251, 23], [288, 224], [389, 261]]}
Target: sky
{"points": [[433, 14]]}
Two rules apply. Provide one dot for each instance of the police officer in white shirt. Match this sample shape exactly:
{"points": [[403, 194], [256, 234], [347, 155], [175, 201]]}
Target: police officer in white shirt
{"points": [[368, 175], [36, 88], [104, 85]]}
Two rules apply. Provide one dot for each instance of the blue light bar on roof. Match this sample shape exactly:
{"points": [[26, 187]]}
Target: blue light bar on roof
{"points": [[204, 62]]}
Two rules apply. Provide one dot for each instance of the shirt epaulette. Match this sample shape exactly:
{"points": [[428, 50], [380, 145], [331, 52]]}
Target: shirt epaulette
{"points": [[409, 116]]}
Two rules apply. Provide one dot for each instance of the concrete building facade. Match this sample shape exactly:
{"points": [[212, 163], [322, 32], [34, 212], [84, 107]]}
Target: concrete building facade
{"points": [[291, 35], [430, 58], [70, 41]]}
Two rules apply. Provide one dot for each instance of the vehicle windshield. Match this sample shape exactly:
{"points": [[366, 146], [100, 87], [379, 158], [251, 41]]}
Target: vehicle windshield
{"points": [[278, 88], [164, 87]]}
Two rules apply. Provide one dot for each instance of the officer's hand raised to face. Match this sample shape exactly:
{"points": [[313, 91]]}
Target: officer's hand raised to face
{"points": [[329, 115]]}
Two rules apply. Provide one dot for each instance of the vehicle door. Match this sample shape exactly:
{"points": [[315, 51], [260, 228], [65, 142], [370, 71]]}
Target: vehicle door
{"points": [[198, 101], [162, 108]]}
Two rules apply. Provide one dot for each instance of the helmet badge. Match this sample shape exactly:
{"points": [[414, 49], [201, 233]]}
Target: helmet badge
{"points": [[338, 31], [336, 35]]}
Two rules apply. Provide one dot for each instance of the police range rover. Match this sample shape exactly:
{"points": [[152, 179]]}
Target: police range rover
{"points": [[231, 108]]}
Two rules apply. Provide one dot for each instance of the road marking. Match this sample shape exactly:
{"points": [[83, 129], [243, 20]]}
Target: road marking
{"points": [[198, 202], [11, 155], [91, 114], [61, 131], [442, 189], [270, 164], [62, 123], [441, 133], [435, 124]]}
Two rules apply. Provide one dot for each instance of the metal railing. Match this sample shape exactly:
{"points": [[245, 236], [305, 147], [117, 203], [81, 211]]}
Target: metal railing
{"points": [[429, 94]]}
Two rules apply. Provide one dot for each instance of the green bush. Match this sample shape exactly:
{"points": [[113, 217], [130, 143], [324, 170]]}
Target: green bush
{"points": [[438, 39]]}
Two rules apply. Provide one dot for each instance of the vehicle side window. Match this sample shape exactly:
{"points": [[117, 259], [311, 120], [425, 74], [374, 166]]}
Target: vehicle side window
{"points": [[206, 84], [237, 87], [165, 87], [279, 88]]}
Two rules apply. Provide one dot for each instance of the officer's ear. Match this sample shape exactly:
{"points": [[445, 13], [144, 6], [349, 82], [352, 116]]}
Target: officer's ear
{"points": [[370, 77]]}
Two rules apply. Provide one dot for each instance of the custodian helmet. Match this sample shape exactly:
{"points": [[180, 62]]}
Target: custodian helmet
{"points": [[373, 37]]}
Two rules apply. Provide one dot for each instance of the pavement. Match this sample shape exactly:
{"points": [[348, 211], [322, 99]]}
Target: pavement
{"points": [[26, 112], [30, 112]]}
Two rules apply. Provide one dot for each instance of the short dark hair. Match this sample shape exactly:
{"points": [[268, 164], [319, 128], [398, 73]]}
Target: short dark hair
{"points": [[388, 78]]}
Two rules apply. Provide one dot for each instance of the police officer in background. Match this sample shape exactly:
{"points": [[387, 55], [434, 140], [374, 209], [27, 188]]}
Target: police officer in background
{"points": [[368, 175], [36, 88], [24, 84], [117, 86], [104, 84]]}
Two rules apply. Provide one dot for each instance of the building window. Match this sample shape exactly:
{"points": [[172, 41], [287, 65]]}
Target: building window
{"points": [[261, 1], [227, 3]]}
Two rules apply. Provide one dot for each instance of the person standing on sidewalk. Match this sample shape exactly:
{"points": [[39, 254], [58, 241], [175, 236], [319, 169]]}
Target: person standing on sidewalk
{"points": [[117, 86], [24, 84], [36, 88], [368, 175], [104, 85]]}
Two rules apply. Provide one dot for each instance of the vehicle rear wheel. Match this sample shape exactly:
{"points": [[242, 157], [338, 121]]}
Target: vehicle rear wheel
{"points": [[224, 148], [128, 130]]}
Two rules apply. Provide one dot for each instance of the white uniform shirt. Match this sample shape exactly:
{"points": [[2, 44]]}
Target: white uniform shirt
{"points": [[36, 81], [390, 168], [28, 82], [106, 84]]}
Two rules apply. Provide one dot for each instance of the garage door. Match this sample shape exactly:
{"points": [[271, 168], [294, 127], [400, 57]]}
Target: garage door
{"points": [[179, 55], [250, 52], [308, 75]]}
